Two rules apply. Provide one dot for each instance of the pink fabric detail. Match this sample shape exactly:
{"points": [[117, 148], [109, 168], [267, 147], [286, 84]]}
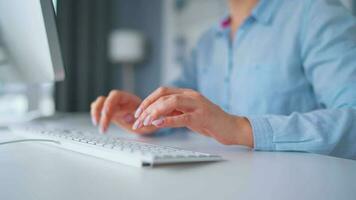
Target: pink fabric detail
{"points": [[226, 23]]}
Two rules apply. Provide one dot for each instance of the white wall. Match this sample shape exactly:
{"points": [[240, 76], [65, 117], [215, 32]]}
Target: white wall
{"points": [[198, 17], [189, 24]]}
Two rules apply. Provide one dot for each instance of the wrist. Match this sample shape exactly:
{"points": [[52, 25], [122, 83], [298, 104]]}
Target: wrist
{"points": [[242, 131]]}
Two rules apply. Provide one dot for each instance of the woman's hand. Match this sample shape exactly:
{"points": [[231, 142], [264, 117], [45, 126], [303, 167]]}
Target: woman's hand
{"points": [[118, 107], [174, 107]]}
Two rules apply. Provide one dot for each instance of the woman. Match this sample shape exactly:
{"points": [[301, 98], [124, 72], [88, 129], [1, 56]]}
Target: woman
{"points": [[275, 75]]}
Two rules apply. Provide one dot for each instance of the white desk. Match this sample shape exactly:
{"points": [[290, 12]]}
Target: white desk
{"points": [[41, 172]]}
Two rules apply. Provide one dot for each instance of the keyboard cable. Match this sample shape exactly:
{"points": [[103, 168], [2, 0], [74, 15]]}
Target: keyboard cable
{"points": [[28, 140]]}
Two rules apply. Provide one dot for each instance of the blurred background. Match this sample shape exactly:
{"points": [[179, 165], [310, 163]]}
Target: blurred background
{"points": [[96, 34], [134, 45]]}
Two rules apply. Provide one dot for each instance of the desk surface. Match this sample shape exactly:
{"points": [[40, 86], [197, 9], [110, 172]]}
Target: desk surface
{"points": [[36, 171]]}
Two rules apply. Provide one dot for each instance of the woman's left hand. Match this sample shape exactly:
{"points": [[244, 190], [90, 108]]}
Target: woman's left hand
{"points": [[175, 107]]}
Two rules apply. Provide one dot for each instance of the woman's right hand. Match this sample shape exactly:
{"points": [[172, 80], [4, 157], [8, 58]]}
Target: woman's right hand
{"points": [[118, 107]]}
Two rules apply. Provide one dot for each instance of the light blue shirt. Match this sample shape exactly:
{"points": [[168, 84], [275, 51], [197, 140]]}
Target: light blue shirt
{"points": [[291, 70]]}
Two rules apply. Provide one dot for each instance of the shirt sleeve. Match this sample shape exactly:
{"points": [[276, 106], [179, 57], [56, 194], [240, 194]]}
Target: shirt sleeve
{"points": [[188, 76], [328, 51]]}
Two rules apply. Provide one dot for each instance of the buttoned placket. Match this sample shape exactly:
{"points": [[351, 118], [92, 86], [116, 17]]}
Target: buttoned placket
{"points": [[232, 60]]}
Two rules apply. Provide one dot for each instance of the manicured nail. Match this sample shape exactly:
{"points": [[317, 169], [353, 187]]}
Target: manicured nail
{"points": [[135, 125], [94, 121], [147, 121], [138, 112], [140, 125], [129, 118], [158, 122]]}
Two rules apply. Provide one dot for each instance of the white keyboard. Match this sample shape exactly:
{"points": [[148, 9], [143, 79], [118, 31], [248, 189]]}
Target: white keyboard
{"points": [[113, 148]]}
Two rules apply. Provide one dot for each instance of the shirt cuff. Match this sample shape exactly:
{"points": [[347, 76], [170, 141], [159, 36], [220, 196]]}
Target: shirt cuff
{"points": [[262, 134]]}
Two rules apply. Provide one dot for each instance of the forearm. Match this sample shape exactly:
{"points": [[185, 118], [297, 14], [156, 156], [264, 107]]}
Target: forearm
{"points": [[331, 132]]}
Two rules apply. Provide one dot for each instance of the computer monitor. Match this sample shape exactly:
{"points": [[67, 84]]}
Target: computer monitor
{"points": [[29, 42]]}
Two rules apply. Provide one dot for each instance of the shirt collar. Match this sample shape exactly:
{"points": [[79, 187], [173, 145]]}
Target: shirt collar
{"points": [[263, 13]]}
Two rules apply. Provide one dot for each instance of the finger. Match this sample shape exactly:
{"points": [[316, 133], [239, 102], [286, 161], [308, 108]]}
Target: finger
{"points": [[141, 121], [128, 126], [163, 107], [145, 118], [154, 96], [121, 118], [111, 105], [178, 121], [96, 108], [128, 118]]}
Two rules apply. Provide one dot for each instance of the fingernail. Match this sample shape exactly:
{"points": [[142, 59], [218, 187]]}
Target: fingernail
{"points": [[140, 124], [138, 112], [147, 121], [94, 121], [129, 118], [135, 126], [158, 122]]}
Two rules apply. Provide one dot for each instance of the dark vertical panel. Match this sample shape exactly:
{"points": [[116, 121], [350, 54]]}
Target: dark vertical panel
{"points": [[66, 18], [83, 27], [82, 62], [102, 20]]}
